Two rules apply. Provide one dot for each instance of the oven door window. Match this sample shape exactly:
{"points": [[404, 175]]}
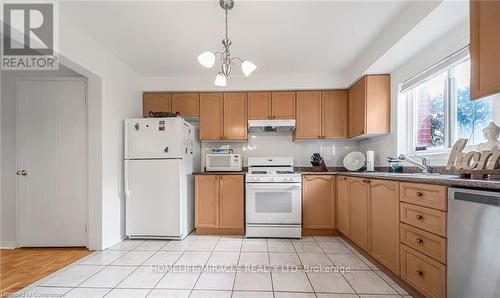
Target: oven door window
{"points": [[273, 202]]}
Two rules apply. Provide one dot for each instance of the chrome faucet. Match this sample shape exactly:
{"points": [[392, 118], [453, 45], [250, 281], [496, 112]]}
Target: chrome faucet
{"points": [[423, 165]]}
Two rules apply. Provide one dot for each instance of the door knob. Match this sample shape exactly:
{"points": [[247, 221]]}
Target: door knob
{"points": [[24, 172], [18, 173]]}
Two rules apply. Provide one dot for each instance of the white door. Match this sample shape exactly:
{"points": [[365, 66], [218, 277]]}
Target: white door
{"points": [[52, 162], [153, 192]]}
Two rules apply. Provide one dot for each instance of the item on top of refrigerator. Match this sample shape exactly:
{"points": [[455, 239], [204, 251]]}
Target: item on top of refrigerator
{"points": [[354, 161], [224, 149], [163, 114]]}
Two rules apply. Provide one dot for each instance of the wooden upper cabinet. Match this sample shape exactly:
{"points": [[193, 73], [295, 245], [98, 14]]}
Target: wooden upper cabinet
{"points": [[231, 201], [357, 108], [358, 211], [308, 125], [283, 105], [235, 116], [211, 116], [207, 201], [187, 104], [383, 223], [156, 102], [484, 48], [343, 205], [259, 105], [334, 114], [369, 106], [318, 202]]}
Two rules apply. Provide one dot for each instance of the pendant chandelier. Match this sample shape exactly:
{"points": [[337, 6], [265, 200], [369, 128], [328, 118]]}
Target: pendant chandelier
{"points": [[207, 59]]}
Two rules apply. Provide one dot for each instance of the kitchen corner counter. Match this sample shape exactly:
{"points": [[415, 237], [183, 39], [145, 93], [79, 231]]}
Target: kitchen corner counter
{"points": [[219, 173], [438, 179]]}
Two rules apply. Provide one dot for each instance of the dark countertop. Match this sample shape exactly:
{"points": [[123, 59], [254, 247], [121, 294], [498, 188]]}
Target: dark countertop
{"points": [[219, 173], [448, 180]]}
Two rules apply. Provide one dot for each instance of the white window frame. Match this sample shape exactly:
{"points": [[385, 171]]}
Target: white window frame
{"points": [[449, 105]]}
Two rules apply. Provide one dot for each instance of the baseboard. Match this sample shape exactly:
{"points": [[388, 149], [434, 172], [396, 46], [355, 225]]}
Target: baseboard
{"points": [[319, 232], [236, 231], [8, 244]]}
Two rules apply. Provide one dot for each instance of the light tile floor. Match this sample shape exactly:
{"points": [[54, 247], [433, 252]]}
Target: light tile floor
{"points": [[214, 266]]}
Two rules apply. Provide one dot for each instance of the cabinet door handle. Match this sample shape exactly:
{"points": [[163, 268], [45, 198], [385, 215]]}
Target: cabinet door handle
{"points": [[420, 273], [418, 216], [419, 194], [419, 241]]}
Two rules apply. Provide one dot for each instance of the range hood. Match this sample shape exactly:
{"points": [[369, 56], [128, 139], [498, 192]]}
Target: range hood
{"points": [[281, 125]]}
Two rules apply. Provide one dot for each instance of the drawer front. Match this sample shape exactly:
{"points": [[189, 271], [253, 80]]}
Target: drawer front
{"points": [[425, 242], [432, 196], [427, 219], [425, 274]]}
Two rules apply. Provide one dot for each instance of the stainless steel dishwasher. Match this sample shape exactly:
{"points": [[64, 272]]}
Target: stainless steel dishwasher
{"points": [[473, 243]]}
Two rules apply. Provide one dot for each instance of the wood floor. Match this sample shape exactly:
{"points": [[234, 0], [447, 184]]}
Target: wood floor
{"points": [[23, 266]]}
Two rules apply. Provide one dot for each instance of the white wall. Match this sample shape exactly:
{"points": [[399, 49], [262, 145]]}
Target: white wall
{"points": [[119, 99], [281, 144]]}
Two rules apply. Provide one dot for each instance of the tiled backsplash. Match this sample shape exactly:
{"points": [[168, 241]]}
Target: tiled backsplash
{"points": [[281, 144]]}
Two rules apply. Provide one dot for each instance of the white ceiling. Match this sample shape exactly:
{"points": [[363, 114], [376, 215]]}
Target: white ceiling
{"points": [[163, 38]]}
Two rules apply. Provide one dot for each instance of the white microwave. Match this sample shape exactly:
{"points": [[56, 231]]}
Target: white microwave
{"points": [[223, 162]]}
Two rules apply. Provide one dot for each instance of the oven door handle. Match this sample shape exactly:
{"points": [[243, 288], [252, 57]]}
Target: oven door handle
{"points": [[288, 186]]}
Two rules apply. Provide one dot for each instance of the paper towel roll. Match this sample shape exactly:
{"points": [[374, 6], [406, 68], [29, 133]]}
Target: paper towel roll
{"points": [[370, 161]]}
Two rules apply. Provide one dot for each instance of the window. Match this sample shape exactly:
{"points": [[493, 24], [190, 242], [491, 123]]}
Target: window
{"points": [[440, 110]]}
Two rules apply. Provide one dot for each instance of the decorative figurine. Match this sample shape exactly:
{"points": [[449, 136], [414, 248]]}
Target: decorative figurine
{"points": [[490, 133]]}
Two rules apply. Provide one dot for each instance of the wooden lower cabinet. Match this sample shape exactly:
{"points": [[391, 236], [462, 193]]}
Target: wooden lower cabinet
{"points": [[318, 202], [231, 201], [423, 273], [383, 222], [219, 203], [207, 201], [342, 205], [357, 190]]}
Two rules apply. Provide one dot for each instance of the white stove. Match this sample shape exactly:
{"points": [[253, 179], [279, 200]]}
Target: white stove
{"points": [[273, 198]]}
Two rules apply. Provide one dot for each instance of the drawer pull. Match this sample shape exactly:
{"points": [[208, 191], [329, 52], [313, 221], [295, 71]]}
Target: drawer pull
{"points": [[419, 194], [420, 273], [420, 241], [419, 216]]}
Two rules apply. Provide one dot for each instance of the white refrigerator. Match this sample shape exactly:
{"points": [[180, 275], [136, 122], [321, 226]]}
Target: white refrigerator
{"points": [[161, 155]]}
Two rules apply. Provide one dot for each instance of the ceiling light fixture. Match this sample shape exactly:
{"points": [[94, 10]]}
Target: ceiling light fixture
{"points": [[207, 59]]}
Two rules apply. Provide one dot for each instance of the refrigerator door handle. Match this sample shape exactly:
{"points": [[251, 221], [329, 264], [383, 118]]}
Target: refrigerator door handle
{"points": [[125, 180]]}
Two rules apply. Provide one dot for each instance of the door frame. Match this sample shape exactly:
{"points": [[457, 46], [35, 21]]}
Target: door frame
{"points": [[87, 147]]}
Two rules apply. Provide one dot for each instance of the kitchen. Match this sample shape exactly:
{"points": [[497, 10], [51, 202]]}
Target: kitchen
{"points": [[382, 171]]}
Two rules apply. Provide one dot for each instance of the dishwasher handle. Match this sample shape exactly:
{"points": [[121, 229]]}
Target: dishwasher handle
{"points": [[484, 197]]}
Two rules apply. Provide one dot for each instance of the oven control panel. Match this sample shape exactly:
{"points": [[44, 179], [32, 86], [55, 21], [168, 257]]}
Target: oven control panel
{"points": [[282, 178]]}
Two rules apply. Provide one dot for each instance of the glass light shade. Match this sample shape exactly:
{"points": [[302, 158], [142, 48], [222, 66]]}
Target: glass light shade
{"points": [[207, 59], [247, 67], [220, 80]]}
